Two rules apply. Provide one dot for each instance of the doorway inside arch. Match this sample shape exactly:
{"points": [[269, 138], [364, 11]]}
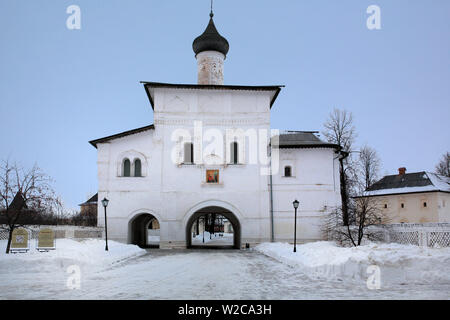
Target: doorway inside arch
{"points": [[145, 231], [213, 228]]}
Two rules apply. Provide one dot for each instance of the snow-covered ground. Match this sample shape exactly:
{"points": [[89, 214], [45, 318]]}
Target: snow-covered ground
{"points": [[397, 263], [318, 271], [153, 240], [89, 253], [24, 275], [153, 237], [213, 239]]}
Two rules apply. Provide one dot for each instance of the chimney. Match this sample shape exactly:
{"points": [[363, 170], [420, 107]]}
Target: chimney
{"points": [[401, 171]]}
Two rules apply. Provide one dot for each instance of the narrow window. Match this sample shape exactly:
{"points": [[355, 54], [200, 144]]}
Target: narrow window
{"points": [[126, 168], [424, 204], [234, 153], [137, 168], [385, 206], [189, 153], [403, 205], [287, 171]]}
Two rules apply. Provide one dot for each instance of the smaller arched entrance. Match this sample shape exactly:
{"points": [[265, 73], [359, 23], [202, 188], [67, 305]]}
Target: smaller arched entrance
{"points": [[145, 231], [229, 223]]}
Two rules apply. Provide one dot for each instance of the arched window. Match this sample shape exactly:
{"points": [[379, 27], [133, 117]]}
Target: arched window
{"points": [[137, 168], [234, 153], [287, 171], [189, 153], [126, 168]]}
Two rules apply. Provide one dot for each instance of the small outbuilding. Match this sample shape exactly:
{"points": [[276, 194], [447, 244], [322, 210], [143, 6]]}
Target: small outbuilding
{"points": [[418, 197]]}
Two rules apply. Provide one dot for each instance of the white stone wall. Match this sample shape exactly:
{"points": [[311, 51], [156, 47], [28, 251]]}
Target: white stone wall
{"points": [[443, 204], [129, 196], [437, 209], [314, 183]]}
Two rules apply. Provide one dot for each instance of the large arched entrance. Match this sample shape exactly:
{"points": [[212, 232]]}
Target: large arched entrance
{"points": [[145, 231], [215, 221]]}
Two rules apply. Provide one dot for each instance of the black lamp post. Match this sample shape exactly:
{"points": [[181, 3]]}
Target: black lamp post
{"points": [[295, 203], [105, 204]]}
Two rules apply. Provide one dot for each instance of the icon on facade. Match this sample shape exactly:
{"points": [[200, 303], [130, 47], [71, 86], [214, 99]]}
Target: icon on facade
{"points": [[212, 176]]}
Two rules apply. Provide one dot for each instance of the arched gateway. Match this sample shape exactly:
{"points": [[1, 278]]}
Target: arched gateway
{"points": [[214, 211], [144, 231]]}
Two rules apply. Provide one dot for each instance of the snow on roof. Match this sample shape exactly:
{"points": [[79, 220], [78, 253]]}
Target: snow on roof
{"points": [[440, 182], [428, 182]]}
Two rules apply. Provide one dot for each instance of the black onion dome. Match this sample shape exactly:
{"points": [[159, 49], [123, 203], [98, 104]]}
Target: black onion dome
{"points": [[211, 40]]}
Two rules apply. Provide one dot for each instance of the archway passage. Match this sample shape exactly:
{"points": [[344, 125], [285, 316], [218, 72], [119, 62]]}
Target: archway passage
{"points": [[216, 222], [145, 231]]}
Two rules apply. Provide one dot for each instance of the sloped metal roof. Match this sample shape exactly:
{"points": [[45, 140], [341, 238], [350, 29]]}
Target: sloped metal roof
{"points": [[120, 135], [416, 179], [150, 86], [302, 139], [416, 182], [92, 200]]}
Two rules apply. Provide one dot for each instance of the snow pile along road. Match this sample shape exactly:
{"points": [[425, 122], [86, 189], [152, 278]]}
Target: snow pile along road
{"points": [[88, 254], [398, 263]]}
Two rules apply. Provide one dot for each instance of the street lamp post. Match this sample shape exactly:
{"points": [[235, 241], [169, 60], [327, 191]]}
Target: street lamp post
{"points": [[105, 204], [295, 203]]}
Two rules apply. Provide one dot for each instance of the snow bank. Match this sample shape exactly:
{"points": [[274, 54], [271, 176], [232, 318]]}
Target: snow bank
{"points": [[199, 238], [88, 254], [398, 263], [215, 238]]}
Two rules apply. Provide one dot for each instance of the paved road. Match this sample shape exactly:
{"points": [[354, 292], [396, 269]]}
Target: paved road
{"points": [[228, 274], [200, 274]]}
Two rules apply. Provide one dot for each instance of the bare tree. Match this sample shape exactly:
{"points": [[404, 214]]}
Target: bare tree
{"points": [[365, 213], [443, 167], [88, 217], [369, 166], [339, 129], [25, 196]]}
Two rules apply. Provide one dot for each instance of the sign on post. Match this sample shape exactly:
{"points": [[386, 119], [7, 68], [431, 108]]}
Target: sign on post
{"points": [[46, 240], [20, 241]]}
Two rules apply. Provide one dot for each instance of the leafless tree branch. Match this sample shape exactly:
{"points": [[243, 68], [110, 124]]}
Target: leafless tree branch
{"points": [[443, 167], [27, 197]]}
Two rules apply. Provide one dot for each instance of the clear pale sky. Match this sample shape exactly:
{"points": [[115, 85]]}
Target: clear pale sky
{"points": [[60, 88]]}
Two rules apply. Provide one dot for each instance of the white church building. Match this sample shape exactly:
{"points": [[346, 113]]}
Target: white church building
{"points": [[211, 150]]}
